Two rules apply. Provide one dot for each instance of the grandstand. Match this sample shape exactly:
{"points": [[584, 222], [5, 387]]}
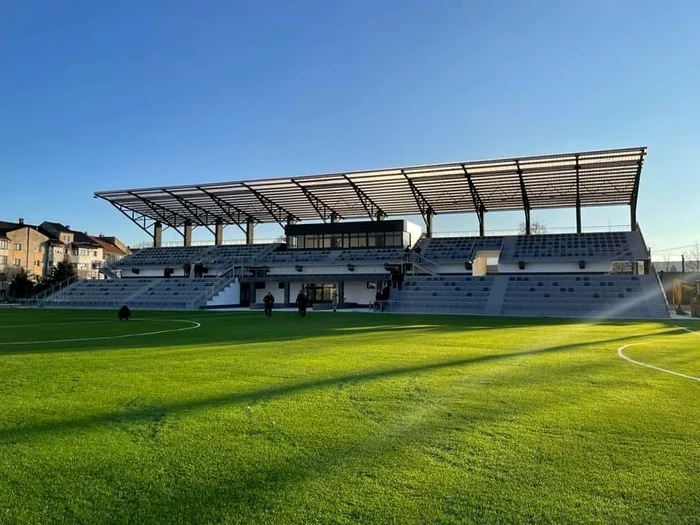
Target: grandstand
{"points": [[326, 247]]}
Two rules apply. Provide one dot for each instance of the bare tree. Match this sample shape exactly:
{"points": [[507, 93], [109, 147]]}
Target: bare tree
{"points": [[537, 227], [692, 258]]}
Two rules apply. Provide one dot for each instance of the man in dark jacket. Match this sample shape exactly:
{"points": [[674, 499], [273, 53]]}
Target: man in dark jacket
{"points": [[268, 301], [302, 302]]}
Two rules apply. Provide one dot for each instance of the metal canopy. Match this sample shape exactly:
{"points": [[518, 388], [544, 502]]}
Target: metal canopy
{"points": [[592, 178]]}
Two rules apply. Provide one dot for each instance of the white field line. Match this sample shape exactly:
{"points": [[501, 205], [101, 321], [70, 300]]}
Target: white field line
{"points": [[658, 368], [89, 320], [194, 326]]}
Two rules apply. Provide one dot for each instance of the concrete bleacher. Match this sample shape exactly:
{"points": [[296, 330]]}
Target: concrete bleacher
{"points": [[588, 296], [604, 246], [211, 256], [228, 255], [392, 255], [563, 295], [278, 257], [172, 294], [457, 248], [442, 294], [98, 293]]}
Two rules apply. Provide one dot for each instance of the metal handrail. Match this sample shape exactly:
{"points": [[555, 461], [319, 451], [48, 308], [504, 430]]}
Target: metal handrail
{"points": [[424, 263], [50, 291]]}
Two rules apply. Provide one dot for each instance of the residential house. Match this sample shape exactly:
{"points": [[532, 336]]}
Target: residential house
{"points": [[78, 248], [114, 250], [22, 248]]}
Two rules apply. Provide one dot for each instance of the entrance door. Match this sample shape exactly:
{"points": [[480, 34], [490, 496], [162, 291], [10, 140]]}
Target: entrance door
{"points": [[320, 293], [245, 294]]}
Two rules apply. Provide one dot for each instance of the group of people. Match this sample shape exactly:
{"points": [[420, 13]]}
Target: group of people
{"points": [[302, 302], [396, 278], [198, 269]]}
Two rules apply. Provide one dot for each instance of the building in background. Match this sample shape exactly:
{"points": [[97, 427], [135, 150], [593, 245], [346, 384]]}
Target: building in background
{"points": [[22, 248], [113, 249], [78, 248], [36, 250]]}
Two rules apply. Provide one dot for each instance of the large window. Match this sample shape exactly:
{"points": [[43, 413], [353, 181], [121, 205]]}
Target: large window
{"points": [[340, 241], [18, 262], [18, 246], [3, 260], [3, 245]]}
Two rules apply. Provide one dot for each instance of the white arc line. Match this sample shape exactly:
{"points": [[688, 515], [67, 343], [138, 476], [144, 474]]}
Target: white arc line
{"points": [[658, 368], [194, 326]]}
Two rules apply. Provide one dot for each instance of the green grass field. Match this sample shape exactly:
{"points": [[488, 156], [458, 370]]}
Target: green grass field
{"points": [[345, 418]]}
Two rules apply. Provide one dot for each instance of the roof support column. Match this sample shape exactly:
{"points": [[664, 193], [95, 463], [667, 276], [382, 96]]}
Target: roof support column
{"points": [[157, 234], [579, 228], [249, 231], [480, 215], [633, 217], [578, 198], [429, 214], [187, 236], [526, 200], [219, 232], [527, 221]]}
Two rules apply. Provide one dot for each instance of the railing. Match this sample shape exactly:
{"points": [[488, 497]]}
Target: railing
{"points": [[34, 300], [495, 233], [423, 263], [226, 242]]}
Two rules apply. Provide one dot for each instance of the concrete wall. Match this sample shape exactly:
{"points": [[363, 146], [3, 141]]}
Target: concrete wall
{"points": [[229, 296], [415, 231], [357, 292], [32, 255], [277, 293], [338, 269], [569, 267]]}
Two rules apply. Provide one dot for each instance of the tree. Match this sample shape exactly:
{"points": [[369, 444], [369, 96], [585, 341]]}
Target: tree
{"points": [[537, 227], [21, 286], [62, 271], [692, 258]]}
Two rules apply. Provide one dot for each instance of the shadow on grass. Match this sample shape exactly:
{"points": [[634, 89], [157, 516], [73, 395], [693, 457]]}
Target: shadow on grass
{"points": [[146, 413], [226, 328]]}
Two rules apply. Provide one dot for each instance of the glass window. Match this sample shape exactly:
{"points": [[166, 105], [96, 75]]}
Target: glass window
{"points": [[326, 241], [37, 263], [355, 240], [18, 262], [18, 246], [3, 259], [3, 245]]}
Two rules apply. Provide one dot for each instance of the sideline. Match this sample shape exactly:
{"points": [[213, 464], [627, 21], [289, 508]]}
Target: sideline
{"points": [[193, 326], [620, 352]]}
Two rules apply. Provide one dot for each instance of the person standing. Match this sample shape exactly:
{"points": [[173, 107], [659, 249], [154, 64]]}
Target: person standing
{"points": [[187, 269], [301, 303], [268, 301], [334, 299]]}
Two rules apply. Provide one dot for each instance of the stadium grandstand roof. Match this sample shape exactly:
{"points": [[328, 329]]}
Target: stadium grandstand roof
{"points": [[589, 178]]}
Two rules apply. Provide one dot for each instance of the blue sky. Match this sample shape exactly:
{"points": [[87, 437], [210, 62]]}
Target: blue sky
{"points": [[98, 95]]}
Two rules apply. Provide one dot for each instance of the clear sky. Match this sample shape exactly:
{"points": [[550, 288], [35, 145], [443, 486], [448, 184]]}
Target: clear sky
{"points": [[108, 95]]}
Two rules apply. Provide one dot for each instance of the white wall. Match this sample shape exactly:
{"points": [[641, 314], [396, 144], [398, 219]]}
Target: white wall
{"points": [[414, 230], [229, 296], [277, 293], [539, 267], [357, 292], [338, 269]]}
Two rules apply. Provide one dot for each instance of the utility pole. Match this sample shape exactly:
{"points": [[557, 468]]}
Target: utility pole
{"points": [[683, 266]]}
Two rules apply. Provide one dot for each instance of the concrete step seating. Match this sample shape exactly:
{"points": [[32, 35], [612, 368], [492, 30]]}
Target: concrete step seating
{"points": [[88, 293], [393, 255], [603, 246], [583, 296], [442, 294], [457, 248], [172, 293]]}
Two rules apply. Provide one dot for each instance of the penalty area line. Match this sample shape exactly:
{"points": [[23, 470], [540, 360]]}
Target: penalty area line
{"points": [[620, 352], [193, 326]]}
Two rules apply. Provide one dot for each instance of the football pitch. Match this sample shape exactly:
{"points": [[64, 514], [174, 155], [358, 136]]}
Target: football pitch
{"points": [[218, 417]]}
